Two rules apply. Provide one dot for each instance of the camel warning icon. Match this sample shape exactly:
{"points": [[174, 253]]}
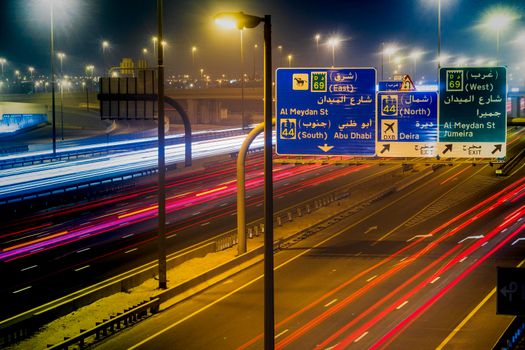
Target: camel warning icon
{"points": [[300, 81]]}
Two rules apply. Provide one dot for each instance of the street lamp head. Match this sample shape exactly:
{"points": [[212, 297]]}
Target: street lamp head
{"points": [[390, 49], [238, 20], [499, 19], [416, 54], [144, 51], [317, 37], [3, 60], [333, 41], [31, 69]]}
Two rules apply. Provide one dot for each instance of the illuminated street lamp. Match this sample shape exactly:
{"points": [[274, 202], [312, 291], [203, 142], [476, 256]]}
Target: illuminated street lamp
{"points": [[105, 47], [145, 54], [193, 50], [61, 56], [52, 54], [415, 55], [280, 48], [317, 38], [154, 39], [389, 51], [255, 46], [289, 61], [240, 20], [333, 42], [2, 62], [31, 70], [498, 20]]}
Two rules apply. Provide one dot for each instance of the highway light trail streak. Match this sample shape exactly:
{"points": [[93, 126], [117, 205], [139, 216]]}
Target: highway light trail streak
{"points": [[399, 327], [379, 303], [303, 329]]}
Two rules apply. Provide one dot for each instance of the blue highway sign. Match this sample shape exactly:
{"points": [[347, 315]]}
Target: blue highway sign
{"points": [[389, 85], [407, 124], [473, 115], [326, 111]]}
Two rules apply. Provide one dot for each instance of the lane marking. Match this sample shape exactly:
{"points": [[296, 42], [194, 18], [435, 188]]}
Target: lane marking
{"points": [[82, 268], [131, 250], [206, 223], [171, 236], [83, 250], [21, 290], [402, 304], [484, 244], [29, 268], [371, 278], [435, 280], [361, 337], [127, 236], [282, 333], [330, 303], [465, 258], [419, 236]]}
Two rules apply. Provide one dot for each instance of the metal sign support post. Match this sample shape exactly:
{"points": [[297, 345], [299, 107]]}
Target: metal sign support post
{"points": [[269, 330], [161, 154]]}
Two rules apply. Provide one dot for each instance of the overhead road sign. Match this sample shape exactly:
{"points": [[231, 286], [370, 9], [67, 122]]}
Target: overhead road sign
{"points": [[510, 299], [129, 97], [407, 124], [472, 112], [326, 111]]}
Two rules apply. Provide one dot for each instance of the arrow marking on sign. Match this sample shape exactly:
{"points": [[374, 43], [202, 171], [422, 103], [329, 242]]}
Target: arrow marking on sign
{"points": [[325, 147], [497, 148], [385, 148], [513, 288], [448, 148], [471, 237], [370, 229]]}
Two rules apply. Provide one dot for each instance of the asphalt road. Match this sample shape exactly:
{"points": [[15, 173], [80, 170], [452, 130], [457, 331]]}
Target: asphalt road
{"points": [[405, 273]]}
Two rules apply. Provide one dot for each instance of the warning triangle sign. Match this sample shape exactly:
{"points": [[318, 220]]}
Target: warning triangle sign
{"points": [[407, 84]]}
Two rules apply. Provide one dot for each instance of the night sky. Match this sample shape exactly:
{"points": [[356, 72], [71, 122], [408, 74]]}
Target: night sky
{"points": [[129, 25]]}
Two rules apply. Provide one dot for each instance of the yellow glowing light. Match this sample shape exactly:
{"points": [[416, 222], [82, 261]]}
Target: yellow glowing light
{"points": [[228, 22]]}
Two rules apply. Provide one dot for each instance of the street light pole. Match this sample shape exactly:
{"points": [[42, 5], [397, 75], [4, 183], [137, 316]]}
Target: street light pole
{"points": [[497, 47], [382, 60], [241, 21], [161, 154], [317, 37], [242, 83], [52, 49], [439, 35]]}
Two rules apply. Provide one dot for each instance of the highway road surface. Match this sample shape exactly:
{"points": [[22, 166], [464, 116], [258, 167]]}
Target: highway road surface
{"points": [[415, 270]]}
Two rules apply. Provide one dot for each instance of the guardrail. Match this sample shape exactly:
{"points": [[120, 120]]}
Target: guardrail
{"points": [[513, 335], [111, 326]]}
